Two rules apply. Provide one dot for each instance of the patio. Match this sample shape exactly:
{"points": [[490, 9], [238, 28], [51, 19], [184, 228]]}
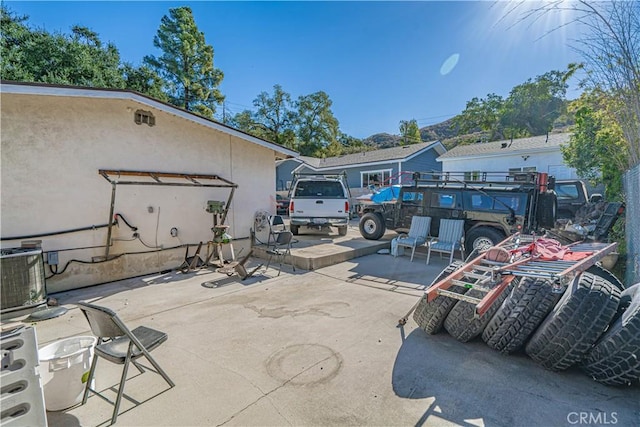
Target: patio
{"points": [[318, 348]]}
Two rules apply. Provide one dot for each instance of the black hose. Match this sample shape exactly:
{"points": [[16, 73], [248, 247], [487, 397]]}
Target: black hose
{"points": [[125, 221], [55, 233]]}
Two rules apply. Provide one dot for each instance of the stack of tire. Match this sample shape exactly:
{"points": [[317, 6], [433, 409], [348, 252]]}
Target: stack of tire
{"points": [[594, 322]]}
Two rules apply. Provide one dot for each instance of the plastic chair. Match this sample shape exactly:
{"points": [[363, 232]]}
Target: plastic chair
{"points": [[450, 239], [281, 248], [117, 344], [276, 226], [418, 233]]}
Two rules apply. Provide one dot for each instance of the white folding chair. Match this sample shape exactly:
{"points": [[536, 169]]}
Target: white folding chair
{"points": [[450, 239]]}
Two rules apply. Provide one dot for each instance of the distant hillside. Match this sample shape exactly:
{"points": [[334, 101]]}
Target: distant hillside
{"points": [[438, 132], [446, 133]]}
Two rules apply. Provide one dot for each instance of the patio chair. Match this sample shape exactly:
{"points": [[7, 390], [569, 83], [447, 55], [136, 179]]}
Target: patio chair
{"points": [[276, 226], [281, 248], [418, 233], [450, 239], [118, 344]]}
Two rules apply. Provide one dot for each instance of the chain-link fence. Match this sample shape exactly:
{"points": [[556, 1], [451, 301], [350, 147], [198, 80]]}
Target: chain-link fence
{"points": [[631, 180]]}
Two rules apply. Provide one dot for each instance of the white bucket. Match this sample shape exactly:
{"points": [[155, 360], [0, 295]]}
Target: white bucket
{"points": [[64, 369]]}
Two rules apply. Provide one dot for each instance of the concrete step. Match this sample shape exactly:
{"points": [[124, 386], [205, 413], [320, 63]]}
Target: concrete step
{"points": [[313, 249]]}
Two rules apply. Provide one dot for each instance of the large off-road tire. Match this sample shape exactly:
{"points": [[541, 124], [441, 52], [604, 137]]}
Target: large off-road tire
{"points": [[522, 311], [482, 238], [581, 316], [342, 231], [547, 209], [607, 275], [372, 226], [614, 359], [295, 229], [431, 315], [462, 323]]}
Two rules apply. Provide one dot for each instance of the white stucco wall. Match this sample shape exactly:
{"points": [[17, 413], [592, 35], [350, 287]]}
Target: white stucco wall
{"points": [[548, 161], [52, 148]]}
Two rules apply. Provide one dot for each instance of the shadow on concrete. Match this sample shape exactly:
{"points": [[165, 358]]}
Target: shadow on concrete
{"points": [[62, 419], [467, 384]]}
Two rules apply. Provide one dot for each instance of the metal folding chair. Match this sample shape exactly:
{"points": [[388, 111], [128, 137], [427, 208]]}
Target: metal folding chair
{"points": [[281, 248], [450, 239], [276, 226], [118, 344]]}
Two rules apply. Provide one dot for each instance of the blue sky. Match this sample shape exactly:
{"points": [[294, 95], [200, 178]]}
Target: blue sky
{"points": [[379, 62]]}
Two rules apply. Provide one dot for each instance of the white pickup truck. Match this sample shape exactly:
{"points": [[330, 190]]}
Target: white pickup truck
{"points": [[319, 203]]}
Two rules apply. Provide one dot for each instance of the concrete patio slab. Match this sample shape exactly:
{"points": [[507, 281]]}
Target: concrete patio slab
{"points": [[319, 348]]}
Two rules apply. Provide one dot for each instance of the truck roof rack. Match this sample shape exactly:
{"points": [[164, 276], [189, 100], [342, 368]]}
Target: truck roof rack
{"points": [[537, 180]]}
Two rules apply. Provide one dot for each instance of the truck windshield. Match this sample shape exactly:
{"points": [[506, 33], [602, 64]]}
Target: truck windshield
{"points": [[326, 189]]}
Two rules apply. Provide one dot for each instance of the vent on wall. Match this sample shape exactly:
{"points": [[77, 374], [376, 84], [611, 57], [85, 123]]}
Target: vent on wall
{"points": [[146, 117], [23, 283]]}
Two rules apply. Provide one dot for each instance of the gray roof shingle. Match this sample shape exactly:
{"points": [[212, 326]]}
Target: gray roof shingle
{"points": [[534, 143], [381, 155]]}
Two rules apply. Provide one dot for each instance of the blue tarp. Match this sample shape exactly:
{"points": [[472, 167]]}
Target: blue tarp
{"points": [[386, 194]]}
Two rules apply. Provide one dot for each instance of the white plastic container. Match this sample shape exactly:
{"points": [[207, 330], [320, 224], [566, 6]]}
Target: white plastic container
{"points": [[64, 368]]}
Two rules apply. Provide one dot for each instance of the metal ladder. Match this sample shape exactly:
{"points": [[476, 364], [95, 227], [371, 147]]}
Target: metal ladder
{"points": [[493, 277]]}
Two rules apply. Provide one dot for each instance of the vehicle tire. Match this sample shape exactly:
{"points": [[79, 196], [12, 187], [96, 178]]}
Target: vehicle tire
{"points": [[430, 316], [547, 209], [614, 359], [295, 229], [342, 231], [522, 311], [462, 323], [482, 238], [607, 275], [372, 226], [576, 322]]}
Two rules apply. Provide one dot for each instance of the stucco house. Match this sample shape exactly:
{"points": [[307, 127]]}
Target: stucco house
{"points": [[58, 141], [385, 166], [534, 154]]}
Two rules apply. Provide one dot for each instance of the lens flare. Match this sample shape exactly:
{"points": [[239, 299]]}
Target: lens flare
{"points": [[449, 64]]}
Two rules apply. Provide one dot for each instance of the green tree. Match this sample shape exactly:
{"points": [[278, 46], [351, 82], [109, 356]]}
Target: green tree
{"points": [[533, 106], [144, 80], [316, 126], [186, 63], [276, 116], [410, 132], [481, 114], [79, 58], [597, 148]]}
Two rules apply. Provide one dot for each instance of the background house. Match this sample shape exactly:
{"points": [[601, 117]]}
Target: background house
{"points": [[55, 139], [534, 154], [383, 167]]}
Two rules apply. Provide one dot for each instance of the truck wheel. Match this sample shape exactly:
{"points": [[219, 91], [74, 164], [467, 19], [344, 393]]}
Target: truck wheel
{"points": [[520, 314], [295, 229], [372, 226], [606, 275], [581, 316], [547, 209], [462, 322], [431, 315], [482, 238], [342, 231], [614, 360]]}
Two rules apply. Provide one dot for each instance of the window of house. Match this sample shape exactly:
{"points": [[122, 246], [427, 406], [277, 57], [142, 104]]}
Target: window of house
{"points": [[472, 176], [376, 178], [146, 117]]}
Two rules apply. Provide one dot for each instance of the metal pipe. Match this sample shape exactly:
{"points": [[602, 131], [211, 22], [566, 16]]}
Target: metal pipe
{"points": [[111, 210]]}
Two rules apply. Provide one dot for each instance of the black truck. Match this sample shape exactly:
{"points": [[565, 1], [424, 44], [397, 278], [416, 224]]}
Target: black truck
{"points": [[492, 204]]}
